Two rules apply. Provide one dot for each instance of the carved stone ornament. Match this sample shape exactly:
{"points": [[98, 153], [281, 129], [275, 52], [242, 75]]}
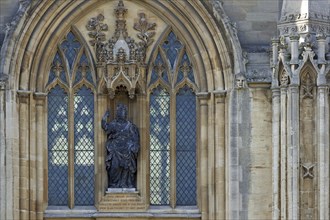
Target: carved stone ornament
{"points": [[307, 85], [3, 80], [240, 81], [308, 170], [124, 58], [284, 79]]}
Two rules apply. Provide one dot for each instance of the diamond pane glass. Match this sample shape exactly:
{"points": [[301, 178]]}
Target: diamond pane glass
{"points": [[84, 147], [172, 47], [159, 147], [57, 147], [185, 147], [70, 46]]}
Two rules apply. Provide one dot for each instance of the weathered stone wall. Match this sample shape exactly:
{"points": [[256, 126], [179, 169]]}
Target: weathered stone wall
{"points": [[256, 21]]}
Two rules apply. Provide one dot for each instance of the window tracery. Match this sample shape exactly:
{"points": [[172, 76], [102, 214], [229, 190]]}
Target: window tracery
{"points": [[71, 85], [172, 126]]}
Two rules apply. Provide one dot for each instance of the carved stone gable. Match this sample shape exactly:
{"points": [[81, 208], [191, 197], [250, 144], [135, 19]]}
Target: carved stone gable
{"points": [[123, 59]]}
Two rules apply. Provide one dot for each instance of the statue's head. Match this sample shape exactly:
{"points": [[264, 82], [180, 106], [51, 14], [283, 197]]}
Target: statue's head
{"points": [[121, 111], [240, 80]]}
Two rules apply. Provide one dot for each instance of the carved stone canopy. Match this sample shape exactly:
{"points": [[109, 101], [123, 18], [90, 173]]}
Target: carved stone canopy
{"points": [[123, 58]]}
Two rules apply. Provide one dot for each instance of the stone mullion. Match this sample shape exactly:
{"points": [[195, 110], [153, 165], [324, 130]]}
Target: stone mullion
{"points": [[71, 149], [40, 126], [220, 150], [276, 151], [293, 152], [24, 164], [173, 149], [203, 151], [283, 153], [323, 151]]}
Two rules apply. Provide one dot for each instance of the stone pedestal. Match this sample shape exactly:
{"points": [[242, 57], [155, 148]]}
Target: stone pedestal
{"points": [[122, 200]]}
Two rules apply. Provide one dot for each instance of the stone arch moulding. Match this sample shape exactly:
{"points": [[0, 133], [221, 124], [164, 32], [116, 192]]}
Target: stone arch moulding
{"points": [[29, 49]]}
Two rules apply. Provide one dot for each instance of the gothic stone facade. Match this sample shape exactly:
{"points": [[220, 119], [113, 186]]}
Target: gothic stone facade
{"points": [[255, 78]]}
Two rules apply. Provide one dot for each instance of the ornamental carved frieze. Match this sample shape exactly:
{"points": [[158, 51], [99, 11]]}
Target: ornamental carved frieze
{"points": [[123, 57]]}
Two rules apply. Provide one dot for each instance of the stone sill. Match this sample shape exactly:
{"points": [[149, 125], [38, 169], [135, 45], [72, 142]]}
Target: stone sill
{"points": [[153, 212]]}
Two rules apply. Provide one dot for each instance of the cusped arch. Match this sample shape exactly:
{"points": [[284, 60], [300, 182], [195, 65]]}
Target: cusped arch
{"points": [[50, 21], [308, 71]]}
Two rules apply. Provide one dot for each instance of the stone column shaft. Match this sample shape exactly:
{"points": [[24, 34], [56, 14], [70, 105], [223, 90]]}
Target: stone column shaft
{"points": [[283, 152], [24, 188], [2, 152], [220, 150], [40, 127], [293, 152], [203, 101], [323, 148], [276, 152]]}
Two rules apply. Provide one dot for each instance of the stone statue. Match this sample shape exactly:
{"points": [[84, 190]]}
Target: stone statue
{"points": [[123, 143]]}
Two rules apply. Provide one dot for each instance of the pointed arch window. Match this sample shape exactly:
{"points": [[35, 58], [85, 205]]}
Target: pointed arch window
{"points": [[71, 86], [172, 105]]}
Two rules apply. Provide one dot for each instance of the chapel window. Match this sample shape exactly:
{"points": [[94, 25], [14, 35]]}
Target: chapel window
{"points": [[172, 106], [71, 86]]}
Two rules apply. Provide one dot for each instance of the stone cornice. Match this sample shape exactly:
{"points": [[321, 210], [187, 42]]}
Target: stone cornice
{"points": [[203, 95], [304, 26], [304, 16], [220, 93]]}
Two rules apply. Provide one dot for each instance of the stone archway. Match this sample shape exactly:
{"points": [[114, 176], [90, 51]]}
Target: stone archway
{"points": [[27, 62]]}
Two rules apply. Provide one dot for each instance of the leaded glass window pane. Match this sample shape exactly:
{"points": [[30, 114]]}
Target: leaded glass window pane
{"points": [[172, 47], [84, 147], [185, 147], [159, 147], [57, 147], [74, 147], [70, 46]]}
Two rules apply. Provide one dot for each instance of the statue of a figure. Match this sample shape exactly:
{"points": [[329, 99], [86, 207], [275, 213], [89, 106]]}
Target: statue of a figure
{"points": [[123, 144]]}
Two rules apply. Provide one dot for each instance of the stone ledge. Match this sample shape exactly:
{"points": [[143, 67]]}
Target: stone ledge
{"points": [[154, 212]]}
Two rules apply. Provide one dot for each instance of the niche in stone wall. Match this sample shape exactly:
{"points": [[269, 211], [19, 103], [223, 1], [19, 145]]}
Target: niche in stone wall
{"points": [[308, 146]]}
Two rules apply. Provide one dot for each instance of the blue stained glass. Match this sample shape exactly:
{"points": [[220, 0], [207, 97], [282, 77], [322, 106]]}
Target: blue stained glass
{"points": [[185, 69], [51, 77], [172, 47], [57, 147], [70, 46], [159, 147], [185, 147], [78, 76], [57, 67], [84, 147]]}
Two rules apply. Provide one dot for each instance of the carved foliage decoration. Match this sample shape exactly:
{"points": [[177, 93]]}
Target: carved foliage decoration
{"points": [[96, 29], [123, 57]]}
